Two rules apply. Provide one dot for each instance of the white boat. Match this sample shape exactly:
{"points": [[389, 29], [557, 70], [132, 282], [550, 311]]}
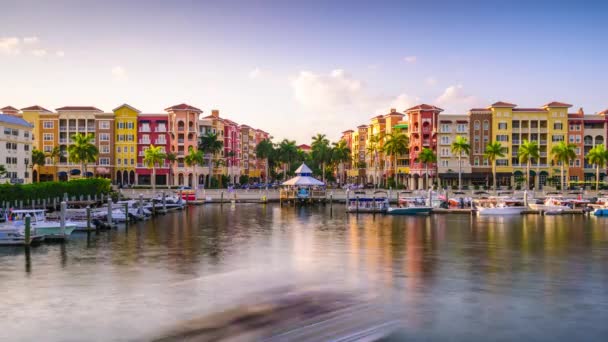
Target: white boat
{"points": [[378, 203], [501, 206], [40, 226], [410, 206], [551, 204], [15, 236], [171, 203]]}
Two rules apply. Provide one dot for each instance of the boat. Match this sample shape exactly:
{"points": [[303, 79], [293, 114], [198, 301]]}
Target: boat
{"points": [[551, 204], [501, 206], [15, 236], [601, 211], [40, 226], [410, 206], [378, 203], [171, 203]]}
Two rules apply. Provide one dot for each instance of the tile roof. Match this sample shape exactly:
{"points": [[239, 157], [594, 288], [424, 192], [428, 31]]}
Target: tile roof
{"points": [[557, 104], [304, 147], [128, 106], [479, 110], [9, 108], [605, 112], [348, 131], [36, 108], [14, 120], [502, 104], [424, 107], [183, 106], [78, 108]]}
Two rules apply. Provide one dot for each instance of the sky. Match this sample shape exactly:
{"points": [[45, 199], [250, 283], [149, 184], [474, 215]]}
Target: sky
{"points": [[297, 68]]}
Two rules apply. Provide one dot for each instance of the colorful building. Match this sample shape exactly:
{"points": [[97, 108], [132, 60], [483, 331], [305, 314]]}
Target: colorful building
{"points": [[423, 121], [104, 140], [15, 148], [183, 136], [45, 137], [452, 126], [480, 134], [594, 133], [125, 141], [74, 120], [152, 129]]}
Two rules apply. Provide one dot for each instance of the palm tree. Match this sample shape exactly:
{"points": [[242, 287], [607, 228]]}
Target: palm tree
{"points": [[264, 149], [597, 156], [2, 171], [229, 156], [55, 154], [321, 152], [38, 159], [217, 163], [494, 150], [171, 158], [563, 153], [210, 145], [527, 151], [373, 145], [396, 144], [288, 152], [340, 154], [427, 156], [194, 158], [82, 150], [460, 145], [152, 156]]}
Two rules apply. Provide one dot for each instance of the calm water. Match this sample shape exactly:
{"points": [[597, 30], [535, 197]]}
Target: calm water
{"points": [[453, 277]]}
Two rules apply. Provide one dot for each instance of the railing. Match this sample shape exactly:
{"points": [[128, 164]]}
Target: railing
{"points": [[63, 129], [144, 129], [515, 142], [72, 128], [180, 153], [82, 128], [181, 129], [426, 142], [543, 154], [163, 166], [63, 140], [180, 164], [160, 141], [180, 141], [144, 141], [543, 142], [161, 129], [91, 129]]}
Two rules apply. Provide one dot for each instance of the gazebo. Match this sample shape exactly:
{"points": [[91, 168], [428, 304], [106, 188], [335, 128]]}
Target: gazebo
{"points": [[303, 186]]}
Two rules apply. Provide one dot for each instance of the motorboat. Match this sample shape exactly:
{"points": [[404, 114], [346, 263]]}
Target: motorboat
{"points": [[501, 206], [551, 204], [15, 236], [40, 225], [410, 206], [378, 203]]}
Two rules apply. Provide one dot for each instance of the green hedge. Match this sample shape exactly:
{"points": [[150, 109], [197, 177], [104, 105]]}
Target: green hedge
{"points": [[44, 190]]}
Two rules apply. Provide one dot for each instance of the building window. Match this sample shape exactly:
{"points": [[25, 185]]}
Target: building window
{"points": [[502, 125], [486, 125], [502, 137], [476, 161], [578, 139], [125, 161], [48, 124], [104, 124], [571, 138], [26, 134], [48, 137], [104, 136], [445, 140], [132, 149], [118, 149], [461, 128], [444, 163], [130, 125], [104, 161], [48, 148], [118, 160], [557, 138], [502, 162], [132, 161], [26, 147], [445, 128], [577, 163], [105, 149], [557, 126]]}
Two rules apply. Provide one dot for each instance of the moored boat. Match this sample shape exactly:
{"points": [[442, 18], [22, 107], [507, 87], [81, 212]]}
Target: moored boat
{"points": [[15, 236], [40, 226], [501, 206], [410, 206], [378, 203]]}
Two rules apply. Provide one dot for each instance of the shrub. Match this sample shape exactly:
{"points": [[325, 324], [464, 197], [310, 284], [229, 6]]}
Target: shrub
{"points": [[49, 190]]}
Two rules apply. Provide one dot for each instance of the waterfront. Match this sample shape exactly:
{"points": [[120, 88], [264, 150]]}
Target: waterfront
{"points": [[452, 276]]}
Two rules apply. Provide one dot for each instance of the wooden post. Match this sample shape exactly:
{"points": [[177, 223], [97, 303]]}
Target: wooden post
{"points": [[374, 205], [62, 218], [109, 211], [164, 203], [222, 198], [21, 204], [126, 213], [88, 218], [153, 208], [357, 206], [28, 227]]}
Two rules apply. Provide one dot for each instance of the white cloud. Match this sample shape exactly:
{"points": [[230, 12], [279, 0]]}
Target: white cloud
{"points": [[431, 81], [410, 59], [119, 73], [401, 103], [60, 53], [255, 73], [10, 46], [39, 52], [335, 90], [455, 99], [30, 40]]}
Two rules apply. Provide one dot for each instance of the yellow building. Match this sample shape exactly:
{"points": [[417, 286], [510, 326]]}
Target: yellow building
{"points": [[125, 121], [547, 125], [45, 138]]}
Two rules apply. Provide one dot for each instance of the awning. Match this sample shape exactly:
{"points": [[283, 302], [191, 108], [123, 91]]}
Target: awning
{"points": [[62, 174], [74, 172], [518, 173], [589, 174], [89, 174], [102, 170], [544, 173], [400, 126]]}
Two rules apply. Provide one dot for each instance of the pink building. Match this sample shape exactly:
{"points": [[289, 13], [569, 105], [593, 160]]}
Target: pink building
{"points": [[152, 129], [423, 134], [232, 149], [183, 135]]}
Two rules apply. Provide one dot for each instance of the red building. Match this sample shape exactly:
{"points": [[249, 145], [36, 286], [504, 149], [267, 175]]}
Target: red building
{"points": [[423, 121], [152, 129], [232, 149]]}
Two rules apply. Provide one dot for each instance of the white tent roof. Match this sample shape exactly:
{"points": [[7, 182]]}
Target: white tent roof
{"points": [[303, 169], [303, 181]]}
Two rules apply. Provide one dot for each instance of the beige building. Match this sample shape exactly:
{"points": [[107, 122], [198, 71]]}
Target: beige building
{"points": [[15, 148], [450, 127]]}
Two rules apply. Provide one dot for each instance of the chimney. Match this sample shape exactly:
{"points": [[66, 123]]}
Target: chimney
{"points": [[215, 113], [393, 110]]}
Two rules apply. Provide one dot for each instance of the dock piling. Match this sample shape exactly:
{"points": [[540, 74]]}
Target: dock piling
{"points": [[28, 228], [109, 211], [64, 206], [88, 218], [126, 214], [164, 203]]}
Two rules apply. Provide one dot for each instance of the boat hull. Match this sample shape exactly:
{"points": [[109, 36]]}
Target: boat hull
{"points": [[501, 211], [601, 212], [54, 232], [409, 211]]}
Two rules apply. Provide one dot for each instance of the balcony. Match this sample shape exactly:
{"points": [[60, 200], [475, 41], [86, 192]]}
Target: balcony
{"points": [[163, 166], [516, 141], [543, 154], [161, 129], [543, 142], [426, 142], [63, 140], [180, 141], [144, 141], [181, 129], [180, 154], [91, 129], [82, 128], [72, 128], [145, 129], [160, 141], [63, 129], [180, 164]]}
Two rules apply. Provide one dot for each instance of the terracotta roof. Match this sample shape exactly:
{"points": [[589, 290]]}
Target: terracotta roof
{"points": [[348, 131], [479, 110], [9, 108], [424, 107], [362, 126], [36, 108], [79, 108], [126, 105], [503, 104], [304, 147], [528, 110], [557, 104], [183, 106], [605, 112]]}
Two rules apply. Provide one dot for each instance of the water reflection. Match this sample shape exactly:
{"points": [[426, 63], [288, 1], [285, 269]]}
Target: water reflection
{"points": [[452, 276]]}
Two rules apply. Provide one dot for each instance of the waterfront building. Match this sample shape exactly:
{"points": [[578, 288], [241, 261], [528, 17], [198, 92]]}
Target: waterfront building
{"points": [[391, 126], [594, 133], [152, 129], [232, 150], [450, 127], [480, 134], [423, 121], [575, 136], [45, 133], [16, 148], [347, 137], [376, 160], [125, 143], [359, 153], [10, 110], [213, 124], [183, 135], [260, 163], [305, 148]]}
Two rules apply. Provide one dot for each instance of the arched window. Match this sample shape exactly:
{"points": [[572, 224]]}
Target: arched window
{"points": [[477, 125], [599, 140]]}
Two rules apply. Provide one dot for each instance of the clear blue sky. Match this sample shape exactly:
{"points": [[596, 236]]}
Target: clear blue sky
{"points": [[295, 68]]}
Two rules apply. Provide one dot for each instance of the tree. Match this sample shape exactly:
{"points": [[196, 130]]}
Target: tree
{"points": [[3, 171], [527, 151], [427, 156], [264, 149], [210, 145], [55, 154], [288, 152], [152, 156], [340, 153], [82, 150], [563, 153], [171, 158], [38, 159], [494, 150], [597, 156], [321, 152], [218, 163], [460, 145], [373, 146], [194, 158], [396, 144]]}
